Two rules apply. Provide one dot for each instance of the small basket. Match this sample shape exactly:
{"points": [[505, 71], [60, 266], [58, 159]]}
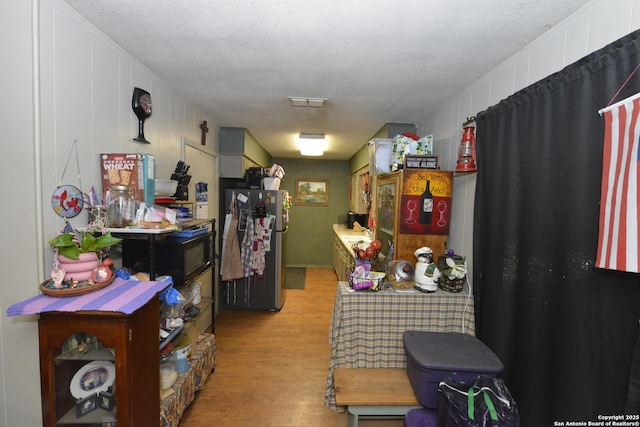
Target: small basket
{"points": [[372, 282], [445, 283], [374, 263]]}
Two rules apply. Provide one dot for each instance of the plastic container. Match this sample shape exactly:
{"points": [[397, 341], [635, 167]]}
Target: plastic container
{"points": [[121, 206], [168, 370], [433, 355], [422, 417], [182, 347], [271, 183], [168, 375], [165, 187]]}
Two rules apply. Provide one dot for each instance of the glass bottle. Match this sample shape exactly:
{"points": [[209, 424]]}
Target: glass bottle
{"points": [[426, 205], [121, 206]]}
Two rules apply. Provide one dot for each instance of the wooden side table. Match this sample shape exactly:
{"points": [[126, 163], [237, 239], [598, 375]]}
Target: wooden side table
{"points": [[130, 342]]}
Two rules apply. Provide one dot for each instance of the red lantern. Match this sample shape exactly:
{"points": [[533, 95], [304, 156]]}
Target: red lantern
{"points": [[467, 151]]}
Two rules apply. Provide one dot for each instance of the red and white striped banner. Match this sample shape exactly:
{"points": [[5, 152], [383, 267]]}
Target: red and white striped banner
{"points": [[619, 224]]}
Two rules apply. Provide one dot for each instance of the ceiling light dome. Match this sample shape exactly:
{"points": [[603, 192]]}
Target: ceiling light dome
{"points": [[311, 144]]}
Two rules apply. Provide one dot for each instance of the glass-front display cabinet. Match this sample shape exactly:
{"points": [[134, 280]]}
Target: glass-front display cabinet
{"points": [[100, 369], [398, 208]]}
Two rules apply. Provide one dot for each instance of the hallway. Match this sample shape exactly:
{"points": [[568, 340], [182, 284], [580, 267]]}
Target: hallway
{"points": [[272, 367]]}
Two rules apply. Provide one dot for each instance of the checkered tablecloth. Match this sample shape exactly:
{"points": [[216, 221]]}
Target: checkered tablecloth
{"points": [[367, 327]]}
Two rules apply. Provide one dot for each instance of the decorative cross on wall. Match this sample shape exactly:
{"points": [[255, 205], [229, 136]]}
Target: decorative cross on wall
{"points": [[205, 129]]}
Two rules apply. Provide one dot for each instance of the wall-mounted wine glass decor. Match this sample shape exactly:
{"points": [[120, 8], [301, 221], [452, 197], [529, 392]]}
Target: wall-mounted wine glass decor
{"points": [[141, 104]]}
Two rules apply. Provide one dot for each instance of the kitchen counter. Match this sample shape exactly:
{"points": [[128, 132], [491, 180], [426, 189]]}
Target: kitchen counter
{"points": [[346, 235], [343, 254]]}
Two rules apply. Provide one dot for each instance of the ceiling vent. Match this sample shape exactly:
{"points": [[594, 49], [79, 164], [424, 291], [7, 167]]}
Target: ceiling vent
{"points": [[307, 102]]}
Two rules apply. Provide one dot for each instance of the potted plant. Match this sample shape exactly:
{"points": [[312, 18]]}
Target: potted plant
{"points": [[78, 254], [71, 245]]}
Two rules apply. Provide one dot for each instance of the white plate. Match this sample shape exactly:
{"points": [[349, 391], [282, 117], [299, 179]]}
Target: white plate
{"points": [[92, 378]]}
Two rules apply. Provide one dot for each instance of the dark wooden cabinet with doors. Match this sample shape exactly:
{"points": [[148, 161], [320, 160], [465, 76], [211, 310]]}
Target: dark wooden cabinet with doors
{"points": [[118, 345]]}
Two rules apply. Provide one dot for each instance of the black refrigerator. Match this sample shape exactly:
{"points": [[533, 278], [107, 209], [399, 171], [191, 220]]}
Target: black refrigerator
{"points": [[263, 215]]}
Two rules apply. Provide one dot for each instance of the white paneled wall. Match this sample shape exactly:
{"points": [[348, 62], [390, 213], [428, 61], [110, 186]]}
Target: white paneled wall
{"points": [[86, 92], [597, 24], [66, 82]]}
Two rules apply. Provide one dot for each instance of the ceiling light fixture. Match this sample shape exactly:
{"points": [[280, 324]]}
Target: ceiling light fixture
{"points": [[311, 136], [311, 144], [297, 101]]}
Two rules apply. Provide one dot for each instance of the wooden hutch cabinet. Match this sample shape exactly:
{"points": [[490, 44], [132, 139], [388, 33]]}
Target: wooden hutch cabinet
{"points": [[397, 211], [71, 340]]}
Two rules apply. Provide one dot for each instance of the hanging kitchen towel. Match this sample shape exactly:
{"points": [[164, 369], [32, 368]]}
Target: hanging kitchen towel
{"points": [[232, 267], [246, 251], [258, 258], [225, 234]]}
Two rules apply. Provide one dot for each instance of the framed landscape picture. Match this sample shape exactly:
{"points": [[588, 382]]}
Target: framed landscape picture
{"points": [[312, 192]]}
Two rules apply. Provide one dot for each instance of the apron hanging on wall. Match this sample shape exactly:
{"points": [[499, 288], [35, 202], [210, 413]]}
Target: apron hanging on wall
{"points": [[231, 268]]}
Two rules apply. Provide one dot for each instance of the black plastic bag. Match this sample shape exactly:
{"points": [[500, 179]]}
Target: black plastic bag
{"points": [[482, 402]]}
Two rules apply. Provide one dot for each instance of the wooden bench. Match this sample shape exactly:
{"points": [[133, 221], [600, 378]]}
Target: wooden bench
{"points": [[374, 393]]}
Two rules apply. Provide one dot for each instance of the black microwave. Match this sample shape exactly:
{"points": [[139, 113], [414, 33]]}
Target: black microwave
{"points": [[182, 258]]}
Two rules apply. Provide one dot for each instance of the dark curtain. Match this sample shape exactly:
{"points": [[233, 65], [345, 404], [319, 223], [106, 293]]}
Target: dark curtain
{"points": [[564, 330]]}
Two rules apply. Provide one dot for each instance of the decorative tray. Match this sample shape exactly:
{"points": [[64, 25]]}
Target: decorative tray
{"points": [[191, 232], [81, 288]]}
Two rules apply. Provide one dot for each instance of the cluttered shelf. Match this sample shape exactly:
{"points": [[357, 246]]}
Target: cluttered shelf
{"points": [[175, 399], [186, 226], [180, 236], [190, 324]]}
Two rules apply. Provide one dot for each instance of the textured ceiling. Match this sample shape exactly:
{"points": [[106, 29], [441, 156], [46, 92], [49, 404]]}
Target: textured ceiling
{"points": [[376, 61]]}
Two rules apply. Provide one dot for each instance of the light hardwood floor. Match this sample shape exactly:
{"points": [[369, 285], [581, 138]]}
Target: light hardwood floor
{"points": [[272, 367]]}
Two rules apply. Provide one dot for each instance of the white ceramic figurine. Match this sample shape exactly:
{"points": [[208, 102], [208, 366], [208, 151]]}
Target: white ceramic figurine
{"points": [[427, 273]]}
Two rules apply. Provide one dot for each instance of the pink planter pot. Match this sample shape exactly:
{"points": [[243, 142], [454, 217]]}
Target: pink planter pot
{"points": [[79, 269]]}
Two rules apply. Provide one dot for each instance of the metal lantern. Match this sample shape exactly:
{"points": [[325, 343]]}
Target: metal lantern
{"points": [[467, 151]]}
